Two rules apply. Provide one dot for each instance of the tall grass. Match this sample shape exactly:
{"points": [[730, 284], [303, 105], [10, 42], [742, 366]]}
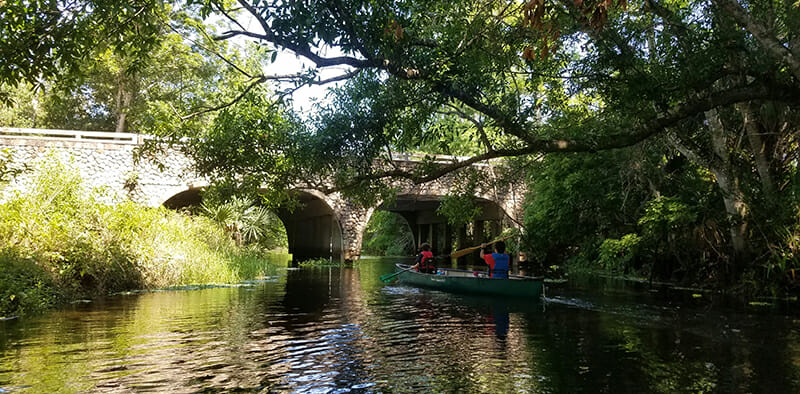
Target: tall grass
{"points": [[62, 241]]}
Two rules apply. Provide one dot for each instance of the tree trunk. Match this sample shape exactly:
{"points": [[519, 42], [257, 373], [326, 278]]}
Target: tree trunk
{"points": [[122, 110], [754, 132], [123, 103], [732, 195], [772, 46], [734, 207], [35, 106]]}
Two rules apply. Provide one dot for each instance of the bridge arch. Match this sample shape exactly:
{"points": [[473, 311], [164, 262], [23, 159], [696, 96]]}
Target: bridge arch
{"points": [[314, 229], [427, 225], [184, 197]]}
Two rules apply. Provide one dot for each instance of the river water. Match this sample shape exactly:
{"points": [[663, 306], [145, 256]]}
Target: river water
{"points": [[342, 330]]}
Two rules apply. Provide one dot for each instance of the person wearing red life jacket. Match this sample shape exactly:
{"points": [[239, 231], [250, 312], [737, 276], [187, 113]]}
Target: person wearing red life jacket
{"points": [[499, 262], [425, 260]]}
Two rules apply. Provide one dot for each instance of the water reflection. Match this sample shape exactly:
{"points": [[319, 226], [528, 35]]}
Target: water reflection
{"points": [[338, 330]]}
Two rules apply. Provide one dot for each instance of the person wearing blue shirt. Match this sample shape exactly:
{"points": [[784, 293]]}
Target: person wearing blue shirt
{"points": [[499, 262]]}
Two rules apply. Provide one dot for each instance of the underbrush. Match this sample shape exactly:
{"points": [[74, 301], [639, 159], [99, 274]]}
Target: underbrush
{"points": [[24, 286], [61, 241]]}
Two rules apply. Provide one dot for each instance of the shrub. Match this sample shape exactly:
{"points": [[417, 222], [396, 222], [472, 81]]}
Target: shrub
{"points": [[388, 234], [61, 240], [616, 254], [24, 286]]}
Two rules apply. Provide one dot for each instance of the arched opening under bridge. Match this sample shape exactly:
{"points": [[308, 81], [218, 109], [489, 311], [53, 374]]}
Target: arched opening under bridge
{"points": [[427, 225], [313, 229]]}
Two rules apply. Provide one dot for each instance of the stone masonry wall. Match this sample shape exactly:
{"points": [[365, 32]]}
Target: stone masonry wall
{"points": [[107, 165]]}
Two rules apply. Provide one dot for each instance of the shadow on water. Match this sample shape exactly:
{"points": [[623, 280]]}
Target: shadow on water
{"points": [[671, 340], [331, 329]]}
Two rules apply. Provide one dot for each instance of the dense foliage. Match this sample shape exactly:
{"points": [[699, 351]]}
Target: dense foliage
{"points": [[136, 81], [704, 93], [693, 104], [387, 234], [247, 222], [602, 208], [61, 241], [41, 39]]}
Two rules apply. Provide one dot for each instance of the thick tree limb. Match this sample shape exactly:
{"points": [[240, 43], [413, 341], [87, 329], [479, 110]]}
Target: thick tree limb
{"points": [[264, 78], [634, 135], [302, 50], [767, 40]]}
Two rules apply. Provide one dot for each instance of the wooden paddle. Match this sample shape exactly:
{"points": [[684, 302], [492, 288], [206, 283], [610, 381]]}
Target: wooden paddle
{"points": [[466, 251], [389, 277]]}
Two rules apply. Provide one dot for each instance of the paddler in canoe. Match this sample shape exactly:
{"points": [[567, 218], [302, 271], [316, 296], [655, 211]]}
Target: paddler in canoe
{"points": [[499, 262], [425, 260]]}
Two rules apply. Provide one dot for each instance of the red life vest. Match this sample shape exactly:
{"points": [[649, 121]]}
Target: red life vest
{"points": [[427, 260]]}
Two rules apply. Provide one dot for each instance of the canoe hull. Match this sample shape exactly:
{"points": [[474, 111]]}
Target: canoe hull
{"points": [[461, 281]]}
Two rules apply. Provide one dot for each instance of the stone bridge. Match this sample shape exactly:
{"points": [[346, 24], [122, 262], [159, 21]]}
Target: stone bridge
{"points": [[327, 225]]}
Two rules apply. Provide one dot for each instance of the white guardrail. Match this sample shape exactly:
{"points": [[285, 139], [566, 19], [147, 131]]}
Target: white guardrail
{"points": [[439, 159], [72, 135], [135, 139]]}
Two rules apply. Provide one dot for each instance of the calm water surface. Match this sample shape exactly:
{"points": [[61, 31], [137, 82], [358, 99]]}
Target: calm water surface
{"points": [[342, 330]]}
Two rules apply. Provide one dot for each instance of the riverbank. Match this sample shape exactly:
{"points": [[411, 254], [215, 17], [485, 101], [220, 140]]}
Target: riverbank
{"points": [[738, 298], [178, 251], [61, 242]]}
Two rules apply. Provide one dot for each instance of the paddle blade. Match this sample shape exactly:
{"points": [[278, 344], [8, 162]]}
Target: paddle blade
{"points": [[388, 277], [463, 252]]}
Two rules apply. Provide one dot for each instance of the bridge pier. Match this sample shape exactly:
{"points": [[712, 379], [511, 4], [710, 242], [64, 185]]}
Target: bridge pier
{"points": [[354, 222], [434, 237], [495, 228], [448, 239]]}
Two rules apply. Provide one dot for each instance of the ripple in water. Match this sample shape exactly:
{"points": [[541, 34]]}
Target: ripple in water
{"points": [[335, 331]]}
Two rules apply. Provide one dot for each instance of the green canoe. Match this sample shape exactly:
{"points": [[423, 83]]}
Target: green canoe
{"points": [[463, 281]]}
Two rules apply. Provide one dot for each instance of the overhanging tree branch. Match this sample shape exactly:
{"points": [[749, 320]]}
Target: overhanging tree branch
{"points": [[767, 40], [253, 83], [264, 78], [635, 134], [302, 50], [478, 124]]}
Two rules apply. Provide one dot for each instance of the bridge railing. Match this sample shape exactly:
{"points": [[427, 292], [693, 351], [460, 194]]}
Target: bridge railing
{"points": [[135, 139], [72, 135], [442, 159]]}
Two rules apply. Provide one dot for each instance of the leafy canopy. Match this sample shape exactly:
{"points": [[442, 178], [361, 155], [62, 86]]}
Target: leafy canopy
{"points": [[500, 79], [42, 39], [510, 77]]}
